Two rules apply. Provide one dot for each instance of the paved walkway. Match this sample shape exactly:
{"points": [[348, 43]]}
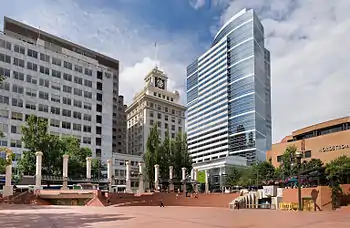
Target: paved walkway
{"points": [[20, 216]]}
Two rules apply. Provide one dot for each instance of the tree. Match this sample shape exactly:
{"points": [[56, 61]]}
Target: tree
{"points": [[151, 155], [264, 171], [233, 176], [288, 158]]}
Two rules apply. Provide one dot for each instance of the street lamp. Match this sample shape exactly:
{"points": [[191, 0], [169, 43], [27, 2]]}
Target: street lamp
{"points": [[298, 156]]}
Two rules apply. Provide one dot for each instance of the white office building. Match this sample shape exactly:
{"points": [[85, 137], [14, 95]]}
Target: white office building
{"points": [[153, 105], [74, 88]]}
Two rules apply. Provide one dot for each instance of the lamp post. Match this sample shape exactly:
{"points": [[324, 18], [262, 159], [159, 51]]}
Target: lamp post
{"points": [[298, 156]]}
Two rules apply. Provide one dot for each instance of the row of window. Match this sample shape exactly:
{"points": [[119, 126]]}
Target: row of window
{"points": [[166, 117], [162, 96]]}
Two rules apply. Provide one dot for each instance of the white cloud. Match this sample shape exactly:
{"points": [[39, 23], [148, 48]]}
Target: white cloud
{"points": [[113, 33], [308, 40], [197, 4]]}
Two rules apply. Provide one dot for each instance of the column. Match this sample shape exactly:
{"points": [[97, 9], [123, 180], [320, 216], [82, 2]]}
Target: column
{"points": [[8, 188], [206, 181], [38, 165], [171, 183], [127, 176], [65, 172], [156, 177], [195, 178], [88, 167], [184, 179], [141, 185], [109, 174]]}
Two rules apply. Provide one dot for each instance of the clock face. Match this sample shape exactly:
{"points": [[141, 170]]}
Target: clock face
{"points": [[160, 83]]}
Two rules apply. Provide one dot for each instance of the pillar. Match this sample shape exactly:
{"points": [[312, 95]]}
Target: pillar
{"points": [[109, 174], [38, 165], [127, 176], [8, 188], [206, 181], [184, 179], [156, 177], [141, 185], [195, 178], [88, 167], [65, 171], [171, 174]]}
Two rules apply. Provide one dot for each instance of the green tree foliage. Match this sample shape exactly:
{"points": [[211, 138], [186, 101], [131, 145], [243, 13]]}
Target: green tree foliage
{"points": [[169, 152], [36, 138]]}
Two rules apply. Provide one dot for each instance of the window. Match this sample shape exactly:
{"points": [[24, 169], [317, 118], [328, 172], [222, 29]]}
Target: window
{"points": [[55, 73], [67, 77], [87, 117], [67, 89], [88, 72], [5, 128], [5, 72], [76, 127], [30, 105], [279, 158], [44, 70], [17, 89], [151, 122], [99, 75], [78, 92], [16, 116], [56, 61], [5, 86], [77, 115], [45, 83], [159, 124], [31, 92], [88, 83], [44, 57], [32, 80], [98, 119], [166, 109], [19, 49], [307, 154], [86, 140], [166, 117], [67, 65], [66, 113], [5, 44], [155, 93], [87, 94], [179, 121], [3, 142], [16, 143], [99, 85], [173, 119], [159, 116], [98, 130], [66, 125], [18, 62], [78, 80], [44, 95], [55, 98], [43, 108], [99, 97], [78, 68], [87, 128], [4, 100], [56, 86], [98, 141], [17, 102], [173, 127], [4, 113], [18, 75], [77, 103], [32, 66], [166, 126], [180, 129], [87, 106], [151, 114], [55, 110], [67, 101], [173, 111], [32, 53], [54, 123]]}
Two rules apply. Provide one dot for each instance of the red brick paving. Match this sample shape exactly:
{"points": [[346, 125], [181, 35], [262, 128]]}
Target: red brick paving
{"points": [[20, 216]]}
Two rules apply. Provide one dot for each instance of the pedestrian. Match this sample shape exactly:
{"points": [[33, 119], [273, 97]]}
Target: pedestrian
{"points": [[161, 203], [237, 205]]}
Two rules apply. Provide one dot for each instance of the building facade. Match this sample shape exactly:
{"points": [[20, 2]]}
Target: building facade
{"points": [[119, 136], [153, 105], [326, 141], [119, 161], [74, 88], [228, 97]]}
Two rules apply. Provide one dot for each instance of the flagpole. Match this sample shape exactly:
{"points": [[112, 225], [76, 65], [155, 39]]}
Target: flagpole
{"points": [[156, 52]]}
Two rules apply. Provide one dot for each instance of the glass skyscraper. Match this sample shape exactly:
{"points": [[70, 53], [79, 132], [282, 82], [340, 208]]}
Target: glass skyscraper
{"points": [[229, 97]]}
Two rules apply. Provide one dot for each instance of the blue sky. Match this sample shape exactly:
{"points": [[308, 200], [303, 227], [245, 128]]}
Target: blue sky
{"points": [[308, 40]]}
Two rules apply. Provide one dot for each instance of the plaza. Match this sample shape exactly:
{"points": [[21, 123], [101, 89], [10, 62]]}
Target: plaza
{"points": [[74, 216]]}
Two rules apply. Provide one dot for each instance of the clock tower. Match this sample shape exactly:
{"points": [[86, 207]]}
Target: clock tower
{"points": [[157, 78]]}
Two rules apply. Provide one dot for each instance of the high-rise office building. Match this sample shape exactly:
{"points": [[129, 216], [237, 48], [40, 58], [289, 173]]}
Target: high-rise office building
{"points": [[153, 105], [74, 88], [228, 97]]}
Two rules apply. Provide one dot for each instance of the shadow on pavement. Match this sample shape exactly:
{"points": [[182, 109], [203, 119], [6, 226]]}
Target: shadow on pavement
{"points": [[62, 220]]}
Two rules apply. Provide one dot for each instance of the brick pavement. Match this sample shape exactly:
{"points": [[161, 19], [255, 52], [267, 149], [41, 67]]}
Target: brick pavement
{"points": [[21, 216]]}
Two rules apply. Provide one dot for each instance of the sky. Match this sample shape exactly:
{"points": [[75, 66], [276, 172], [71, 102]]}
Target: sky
{"points": [[307, 40]]}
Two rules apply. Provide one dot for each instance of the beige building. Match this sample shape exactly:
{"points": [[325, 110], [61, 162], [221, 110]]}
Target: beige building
{"points": [[153, 105]]}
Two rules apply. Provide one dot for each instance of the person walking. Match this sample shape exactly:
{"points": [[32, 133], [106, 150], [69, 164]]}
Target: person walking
{"points": [[161, 203]]}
